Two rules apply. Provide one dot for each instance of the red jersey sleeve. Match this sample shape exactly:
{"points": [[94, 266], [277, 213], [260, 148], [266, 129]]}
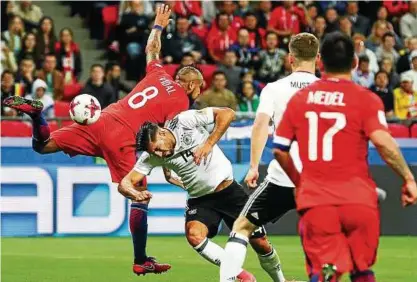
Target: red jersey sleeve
{"points": [[285, 133], [153, 66], [274, 18], [373, 115]]}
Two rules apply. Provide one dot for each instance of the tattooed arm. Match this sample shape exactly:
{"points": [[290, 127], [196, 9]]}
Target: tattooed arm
{"points": [[153, 46], [390, 152]]}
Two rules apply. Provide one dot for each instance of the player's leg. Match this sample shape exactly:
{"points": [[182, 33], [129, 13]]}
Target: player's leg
{"points": [[362, 230], [325, 245], [268, 203], [202, 224], [41, 141]]}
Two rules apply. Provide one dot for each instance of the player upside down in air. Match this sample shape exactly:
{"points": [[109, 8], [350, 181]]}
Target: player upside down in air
{"points": [[214, 194], [156, 98], [333, 120]]}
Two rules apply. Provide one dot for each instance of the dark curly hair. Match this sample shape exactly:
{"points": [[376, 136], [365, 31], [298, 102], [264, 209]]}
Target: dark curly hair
{"points": [[146, 134]]}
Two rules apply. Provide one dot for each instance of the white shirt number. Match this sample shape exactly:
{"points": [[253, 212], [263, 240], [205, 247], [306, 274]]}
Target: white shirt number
{"points": [[313, 124], [146, 94]]}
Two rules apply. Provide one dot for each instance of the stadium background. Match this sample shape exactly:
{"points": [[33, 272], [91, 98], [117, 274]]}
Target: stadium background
{"points": [[62, 197]]}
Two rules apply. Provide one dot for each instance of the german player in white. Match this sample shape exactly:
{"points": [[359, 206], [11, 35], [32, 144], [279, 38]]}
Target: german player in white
{"points": [[275, 196], [187, 148]]}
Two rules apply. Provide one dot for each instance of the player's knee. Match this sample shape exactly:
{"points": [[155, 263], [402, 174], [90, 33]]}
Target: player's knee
{"points": [[243, 226], [261, 245], [195, 235]]}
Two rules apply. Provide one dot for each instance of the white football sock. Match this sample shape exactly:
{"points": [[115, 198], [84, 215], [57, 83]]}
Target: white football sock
{"points": [[272, 265], [210, 251], [234, 257]]}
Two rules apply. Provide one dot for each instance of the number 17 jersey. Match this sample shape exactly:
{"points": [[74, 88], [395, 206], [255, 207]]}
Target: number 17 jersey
{"points": [[332, 119]]}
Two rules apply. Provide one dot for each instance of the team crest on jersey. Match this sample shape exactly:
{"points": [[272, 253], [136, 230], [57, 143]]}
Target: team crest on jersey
{"points": [[187, 139]]}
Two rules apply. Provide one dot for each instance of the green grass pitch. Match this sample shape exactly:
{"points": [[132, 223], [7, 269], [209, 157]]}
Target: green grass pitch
{"points": [[101, 259]]}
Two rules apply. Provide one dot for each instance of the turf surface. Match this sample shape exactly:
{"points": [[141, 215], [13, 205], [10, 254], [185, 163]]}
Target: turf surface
{"points": [[109, 260]]}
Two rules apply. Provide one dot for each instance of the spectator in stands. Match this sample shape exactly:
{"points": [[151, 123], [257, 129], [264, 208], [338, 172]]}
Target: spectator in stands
{"points": [[311, 15], [188, 9], [256, 33], [319, 27], [200, 28], [404, 63], [52, 77], [388, 66], [113, 77], [374, 40], [382, 15], [45, 38], [8, 59], [68, 56], [246, 55], [97, 87], [332, 19], [396, 8], [248, 100], [382, 89], [232, 72], [360, 24], [134, 31], [386, 50], [229, 8], [363, 75], [263, 13], [249, 76], [220, 38], [25, 76], [181, 42], [39, 92], [287, 67], [125, 7], [405, 99], [345, 26], [244, 7], [29, 48], [271, 60], [217, 95], [338, 6], [360, 50], [7, 90], [14, 34], [209, 11], [408, 23], [412, 73], [287, 20], [29, 12], [187, 60]]}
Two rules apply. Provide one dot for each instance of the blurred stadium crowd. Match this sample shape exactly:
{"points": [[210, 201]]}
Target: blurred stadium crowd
{"points": [[239, 46]]}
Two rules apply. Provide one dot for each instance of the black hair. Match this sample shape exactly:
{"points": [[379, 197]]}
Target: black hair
{"points": [[382, 72], [93, 66], [218, 72], [219, 15], [110, 65], [271, 32], [146, 134], [363, 59], [337, 52], [387, 34], [6, 72], [182, 18], [250, 14]]}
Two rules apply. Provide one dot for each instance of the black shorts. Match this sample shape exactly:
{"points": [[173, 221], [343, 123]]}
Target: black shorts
{"points": [[225, 205], [268, 203]]}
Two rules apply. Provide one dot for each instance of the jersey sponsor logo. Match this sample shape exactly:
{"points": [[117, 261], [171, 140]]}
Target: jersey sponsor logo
{"points": [[299, 84], [187, 139], [326, 98]]}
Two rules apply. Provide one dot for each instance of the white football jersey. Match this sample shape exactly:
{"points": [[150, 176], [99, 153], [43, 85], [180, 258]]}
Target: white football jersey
{"points": [[188, 129], [273, 102]]}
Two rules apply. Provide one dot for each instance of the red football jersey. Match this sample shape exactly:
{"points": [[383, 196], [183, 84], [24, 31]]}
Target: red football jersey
{"points": [[156, 98], [331, 119]]}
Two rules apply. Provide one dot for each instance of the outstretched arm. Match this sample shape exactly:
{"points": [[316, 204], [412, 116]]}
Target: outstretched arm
{"points": [[153, 47], [128, 184]]}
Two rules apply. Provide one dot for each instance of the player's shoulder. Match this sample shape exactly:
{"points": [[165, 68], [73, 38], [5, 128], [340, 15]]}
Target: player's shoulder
{"points": [[143, 157]]}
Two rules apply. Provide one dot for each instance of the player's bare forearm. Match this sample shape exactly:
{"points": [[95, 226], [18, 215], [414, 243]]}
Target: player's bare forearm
{"points": [[285, 160], [258, 139], [128, 184], [222, 119], [391, 154], [153, 47], [170, 179]]}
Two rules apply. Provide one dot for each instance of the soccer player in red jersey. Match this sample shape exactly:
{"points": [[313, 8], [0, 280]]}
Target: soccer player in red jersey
{"points": [[156, 98], [333, 119]]}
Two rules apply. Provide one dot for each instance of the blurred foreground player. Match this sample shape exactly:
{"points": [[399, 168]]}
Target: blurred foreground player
{"points": [[333, 119], [156, 98], [185, 147]]}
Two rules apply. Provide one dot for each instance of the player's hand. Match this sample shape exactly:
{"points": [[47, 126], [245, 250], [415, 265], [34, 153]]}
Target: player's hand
{"points": [[201, 153], [143, 195], [409, 193], [251, 178], [163, 12]]}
